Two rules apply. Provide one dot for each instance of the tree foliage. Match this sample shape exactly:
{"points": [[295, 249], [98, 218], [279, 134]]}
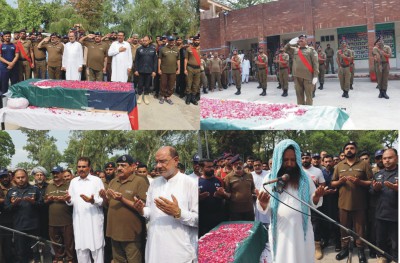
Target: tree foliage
{"points": [[7, 149], [239, 4]]}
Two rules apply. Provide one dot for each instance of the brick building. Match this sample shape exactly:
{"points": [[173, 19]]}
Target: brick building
{"points": [[323, 21]]}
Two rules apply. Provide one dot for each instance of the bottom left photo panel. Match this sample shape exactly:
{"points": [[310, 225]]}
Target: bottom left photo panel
{"points": [[99, 196]]}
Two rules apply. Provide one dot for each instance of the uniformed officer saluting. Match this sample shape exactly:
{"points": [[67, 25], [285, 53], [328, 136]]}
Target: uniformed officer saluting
{"points": [[305, 68]]}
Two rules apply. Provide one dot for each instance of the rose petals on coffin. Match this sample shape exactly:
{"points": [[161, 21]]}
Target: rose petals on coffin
{"points": [[89, 85]]}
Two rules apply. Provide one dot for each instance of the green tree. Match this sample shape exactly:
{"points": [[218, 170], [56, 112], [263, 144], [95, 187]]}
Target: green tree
{"points": [[7, 149], [239, 4], [7, 14], [31, 14]]}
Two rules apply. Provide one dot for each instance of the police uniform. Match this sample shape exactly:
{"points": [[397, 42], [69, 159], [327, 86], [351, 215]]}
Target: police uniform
{"points": [[305, 68], [181, 78], [96, 54], [321, 74], [352, 69], [203, 77], [282, 59], [193, 73], [224, 75], [329, 59], [54, 58], [168, 63], [215, 66], [381, 63], [25, 62], [261, 61], [344, 59], [40, 68], [236, 72]]}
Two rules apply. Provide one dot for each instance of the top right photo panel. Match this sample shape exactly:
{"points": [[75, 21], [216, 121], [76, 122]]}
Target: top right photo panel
{"points": [[307, 65]]}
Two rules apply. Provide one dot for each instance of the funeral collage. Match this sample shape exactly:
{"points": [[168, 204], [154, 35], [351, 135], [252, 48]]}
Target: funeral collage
{"points": [[199, 131]]}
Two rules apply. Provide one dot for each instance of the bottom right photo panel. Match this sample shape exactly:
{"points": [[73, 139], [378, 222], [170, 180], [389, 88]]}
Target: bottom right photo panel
{"points": [[298, 196]]}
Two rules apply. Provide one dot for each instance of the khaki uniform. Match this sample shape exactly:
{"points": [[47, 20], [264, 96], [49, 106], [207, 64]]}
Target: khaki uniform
{"points": [[24, 69], [193, 70], [353, 198], [344, 68], [169, 58], [321, 74], [60, 222], [224, 74], [283, 70], [54, 59], [203, 77], [329, 59], [40, 68], [381, 64], [215, 71], [236, 71], [352, 68], [241, 189], [125, 226], [96, 53], [302, 75], [262, 64]]}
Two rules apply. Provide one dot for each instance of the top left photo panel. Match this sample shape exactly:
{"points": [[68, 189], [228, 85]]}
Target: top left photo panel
{"points": [[100, 65]]}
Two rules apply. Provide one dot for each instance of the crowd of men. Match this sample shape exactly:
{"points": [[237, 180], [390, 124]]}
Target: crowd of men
{"points": [[167, 64], [130, 215], [360, 196], [307, 64]]}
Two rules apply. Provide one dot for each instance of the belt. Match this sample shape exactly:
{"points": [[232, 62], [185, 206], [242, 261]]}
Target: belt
{"points": [[40, 59], [22, 59], [345, 66], [283, 68], [322, 63], [201, 70], [260, 68], [330, 57], [193, 66]]}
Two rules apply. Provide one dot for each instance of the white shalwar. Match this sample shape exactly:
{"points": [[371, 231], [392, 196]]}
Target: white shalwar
{"points": [[72, 60], [88, 219], [121, 61], [170, 239], [245, 70], [291, 246]]}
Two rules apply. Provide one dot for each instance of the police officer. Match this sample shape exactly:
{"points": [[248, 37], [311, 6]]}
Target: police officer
{"points": [[203, 77], [215, 67], [261, 60], [353, 178], [305, 68], [352, 69], [321, 61], [40, 68], [329, 58], [26, 58], [9, 54], [192, 70], [96, 55], [282, 60], [382, 54], [343, 60], [181, 78], [236, 71], [55, 50]]}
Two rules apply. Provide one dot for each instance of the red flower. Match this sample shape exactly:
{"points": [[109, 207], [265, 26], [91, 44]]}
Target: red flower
{"points": [[88, 85]]}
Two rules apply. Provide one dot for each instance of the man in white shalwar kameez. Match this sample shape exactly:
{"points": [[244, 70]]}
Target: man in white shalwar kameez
{"points": [[121, 54], [290, 234], [72, 59], [88, 218], [172, 208]]}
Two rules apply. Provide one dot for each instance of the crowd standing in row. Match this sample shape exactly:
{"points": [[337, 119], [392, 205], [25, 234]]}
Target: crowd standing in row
{"points": [[169, 64], [307, 65], [128, 216], [347, 189]]}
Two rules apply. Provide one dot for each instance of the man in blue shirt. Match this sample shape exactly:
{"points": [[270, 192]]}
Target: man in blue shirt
{"points": [[9, 54]]}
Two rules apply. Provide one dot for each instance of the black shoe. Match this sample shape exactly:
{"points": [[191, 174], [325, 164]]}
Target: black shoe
{"points": [[205, 91], [284, 94], [372, 253], [279, 87], [181, 96], [258, 87], [343, 94], [377, 86], [385, 95], [380, 94], [338, 247], [238, 92], [225, 87], [351, 86], [361, 255], [193, 100], [342, 254], [188, 98], [264, 93], [346, 94], [321, 87]]}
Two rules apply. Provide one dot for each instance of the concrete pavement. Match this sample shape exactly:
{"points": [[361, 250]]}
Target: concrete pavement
{"points": [[366, 110]]}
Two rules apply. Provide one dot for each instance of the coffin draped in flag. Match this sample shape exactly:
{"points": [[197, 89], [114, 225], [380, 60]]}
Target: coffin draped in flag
{"points": [[83, 95]]}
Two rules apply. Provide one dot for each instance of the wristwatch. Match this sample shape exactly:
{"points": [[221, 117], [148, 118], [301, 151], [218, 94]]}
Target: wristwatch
{"points": [[178, 215]]}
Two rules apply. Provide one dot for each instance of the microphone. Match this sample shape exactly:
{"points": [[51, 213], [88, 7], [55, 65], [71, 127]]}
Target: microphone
{"points": [[284, 178]]}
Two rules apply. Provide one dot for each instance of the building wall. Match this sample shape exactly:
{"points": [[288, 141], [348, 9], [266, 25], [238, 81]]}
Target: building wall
{"points": [[312, 17]]}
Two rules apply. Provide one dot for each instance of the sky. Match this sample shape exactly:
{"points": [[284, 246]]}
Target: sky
{"points": [[12, 3], [19, 140]]}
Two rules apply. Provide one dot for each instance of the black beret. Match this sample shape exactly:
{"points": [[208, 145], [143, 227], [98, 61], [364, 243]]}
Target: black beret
{"points": [[350, 143], [305, 154], [235, 159], [109, 165], [125, 159]]}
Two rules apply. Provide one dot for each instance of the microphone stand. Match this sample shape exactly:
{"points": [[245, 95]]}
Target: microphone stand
{"points": [[41, 242], [352, 235]]}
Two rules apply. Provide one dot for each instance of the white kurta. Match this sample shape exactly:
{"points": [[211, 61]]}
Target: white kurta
{"points": [[72, 60], [121, 61], [258, 183], [291, 247], [170, 239], [315, 174], [88, 219]]}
